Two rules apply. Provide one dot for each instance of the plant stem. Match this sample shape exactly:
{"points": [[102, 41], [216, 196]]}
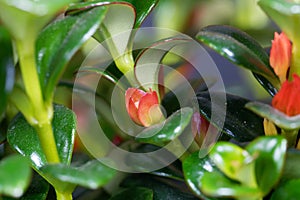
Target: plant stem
{"points": [[295, 63], [291, 136], [63, 195], [177, 149], [40, 116]]}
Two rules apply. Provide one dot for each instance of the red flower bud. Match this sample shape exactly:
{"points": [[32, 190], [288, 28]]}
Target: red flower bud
{"points": [[280, 55], [143, 107], [288, 97]]}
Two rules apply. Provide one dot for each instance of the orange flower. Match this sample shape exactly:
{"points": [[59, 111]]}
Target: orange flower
{"points": [[143, 107], [287, 100], [280, 55]]}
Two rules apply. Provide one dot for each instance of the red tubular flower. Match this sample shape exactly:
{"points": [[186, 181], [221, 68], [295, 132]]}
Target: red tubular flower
{"points": [[280, 55], [143, 107], [288, 97]]}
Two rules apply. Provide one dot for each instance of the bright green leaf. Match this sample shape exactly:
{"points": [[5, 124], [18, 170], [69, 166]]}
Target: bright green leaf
{"points": [[6, 68], [274, 115], [270, 157], [165, 132], [137, 193], [243, 128], [59, 41], [233, 161], [92, 175], [194, 168], [23, 137], [25, 18], [218, 185], [15, 175]]}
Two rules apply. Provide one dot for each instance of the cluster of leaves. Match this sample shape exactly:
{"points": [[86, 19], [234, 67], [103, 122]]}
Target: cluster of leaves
{"points": [[228, 171]]}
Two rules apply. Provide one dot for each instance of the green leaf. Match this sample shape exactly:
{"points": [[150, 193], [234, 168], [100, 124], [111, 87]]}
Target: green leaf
{"points": [[286, 14], [243, 128], [239, 48], [137, 193], [266, 84], [25, 18], [162, 189], [23, 137], [291, 166], [270, 157], [274, 115], [142, 9], [6, 68], [148, 62], [92, 175], [165, 132], [288, 190], [233, 161], [15, 175], [59, 41], [218, 185], [194, 168]]}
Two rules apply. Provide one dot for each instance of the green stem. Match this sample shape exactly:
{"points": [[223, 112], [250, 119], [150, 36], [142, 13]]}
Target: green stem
{"points": [[176, 148], [291, 136], [63, 196], [40, 113], [295, 63]]}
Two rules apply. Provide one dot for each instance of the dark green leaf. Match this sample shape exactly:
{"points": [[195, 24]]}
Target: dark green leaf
{"points": [[6, 68], [292, 163], [274, 115], [92, 175], [161, 189], [193, 168], [15, 174], [240, 123], [218, 185], [270, 157], [137, 193], [288, 190], [24, 139], [142, 9], [266, 84], [165, 132], [59, 42], [239, 48]]}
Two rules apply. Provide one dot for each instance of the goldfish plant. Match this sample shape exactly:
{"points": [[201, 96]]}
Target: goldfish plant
{"points": [[95, 106]]}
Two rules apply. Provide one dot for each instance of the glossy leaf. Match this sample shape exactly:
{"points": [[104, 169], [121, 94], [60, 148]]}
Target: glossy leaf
{"points": [[218, 185], [270, 152], [239, 48], [274, 115], [243, 128], [233, 161], [194, 168], [15, 175], [25, 18], [288, 190], [92, 175], [161, 189], [142, 9], [286, 14], [165, 132], [148, 63], [59, 42], [291, 166], [137, 193], [23, 137], [6, 68], [265, 84]]}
